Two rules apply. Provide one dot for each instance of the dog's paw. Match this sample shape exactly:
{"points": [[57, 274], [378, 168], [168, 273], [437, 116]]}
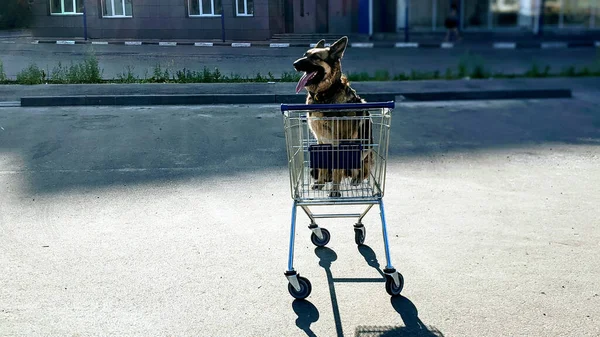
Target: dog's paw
{"points": [[335, 194], [317, 187], [322, 174], [356, 181]]}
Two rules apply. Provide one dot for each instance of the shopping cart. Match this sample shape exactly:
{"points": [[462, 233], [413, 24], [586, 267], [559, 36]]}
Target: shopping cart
{"points": [[346, 166]]}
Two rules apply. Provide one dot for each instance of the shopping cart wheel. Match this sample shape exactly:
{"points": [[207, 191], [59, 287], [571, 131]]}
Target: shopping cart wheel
{"points": [[305, 288], [391, 287], [359, 234], [323, 241]]}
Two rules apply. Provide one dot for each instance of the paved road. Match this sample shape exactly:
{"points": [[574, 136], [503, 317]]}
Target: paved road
{"points": [[249, 61], [157, 221]]}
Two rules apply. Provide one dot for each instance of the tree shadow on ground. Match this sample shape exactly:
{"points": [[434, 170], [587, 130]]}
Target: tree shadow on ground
{"points": [[95, 147]]}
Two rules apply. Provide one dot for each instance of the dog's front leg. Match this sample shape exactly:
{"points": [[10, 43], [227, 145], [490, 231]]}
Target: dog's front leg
{"points": [[322, 177], [358, 176], [338, 175]]}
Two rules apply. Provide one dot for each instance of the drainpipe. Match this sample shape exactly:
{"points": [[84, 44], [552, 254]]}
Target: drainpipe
{"points": [[536, 14], [541, 19], [222, 23], [406, 35], [370, 18], [85, 37]]}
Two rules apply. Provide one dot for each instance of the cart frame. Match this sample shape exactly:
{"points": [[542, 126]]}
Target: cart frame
{"points": [[366, 158]]}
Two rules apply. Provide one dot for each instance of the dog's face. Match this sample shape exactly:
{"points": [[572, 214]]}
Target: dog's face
{"points": [[321, 66]]}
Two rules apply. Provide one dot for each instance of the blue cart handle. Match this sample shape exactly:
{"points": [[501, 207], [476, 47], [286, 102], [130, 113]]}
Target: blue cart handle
{"points": [[345, 106]]}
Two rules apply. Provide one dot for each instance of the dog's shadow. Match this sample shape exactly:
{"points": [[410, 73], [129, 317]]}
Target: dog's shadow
{"points": [[413, 326]]}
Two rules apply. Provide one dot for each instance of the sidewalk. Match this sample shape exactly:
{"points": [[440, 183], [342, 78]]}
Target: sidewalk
{"points": [[266, 93], [14, 33], [428, 39], [496, 40]]}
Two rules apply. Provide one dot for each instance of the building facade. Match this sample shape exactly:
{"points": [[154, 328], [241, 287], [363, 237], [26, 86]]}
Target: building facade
{"points": [[500, 15], [253, 20], [156, 19]]}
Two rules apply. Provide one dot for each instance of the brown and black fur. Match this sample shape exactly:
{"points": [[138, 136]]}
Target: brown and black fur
{"points": [[330, 86]]}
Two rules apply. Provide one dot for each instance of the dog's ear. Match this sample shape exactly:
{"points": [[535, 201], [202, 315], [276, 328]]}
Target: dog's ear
{"points": [[337, 49], [320, 44]]}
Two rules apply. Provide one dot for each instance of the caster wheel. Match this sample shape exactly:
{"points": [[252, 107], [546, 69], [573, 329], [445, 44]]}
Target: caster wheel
{"points": [[321, 242], [305, 288], [391, 287], [359, 235]]}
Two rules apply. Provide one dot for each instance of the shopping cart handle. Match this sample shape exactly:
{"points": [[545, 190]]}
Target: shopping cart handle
{"points": [[345, 106]]}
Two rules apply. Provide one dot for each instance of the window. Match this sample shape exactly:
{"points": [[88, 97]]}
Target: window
{"points": [[66, 6], [204, 7], [244, 7], [117, 8]]}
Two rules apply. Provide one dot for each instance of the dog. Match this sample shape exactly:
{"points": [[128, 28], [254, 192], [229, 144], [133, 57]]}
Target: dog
{"points": [[326, 84]]}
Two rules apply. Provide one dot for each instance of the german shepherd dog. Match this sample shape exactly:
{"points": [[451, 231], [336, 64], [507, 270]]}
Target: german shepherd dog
{"points": [[325, 84]]}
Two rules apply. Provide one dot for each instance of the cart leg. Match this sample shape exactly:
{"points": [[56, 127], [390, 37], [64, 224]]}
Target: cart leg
{"points": [[309, 214], [389, 269], [291, 274], [364, 214], [313, 225], [359, 229]]}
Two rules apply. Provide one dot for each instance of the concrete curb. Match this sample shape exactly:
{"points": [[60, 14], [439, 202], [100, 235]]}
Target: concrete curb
{"points": [[208, 99], [382, 44], [488, 95]]}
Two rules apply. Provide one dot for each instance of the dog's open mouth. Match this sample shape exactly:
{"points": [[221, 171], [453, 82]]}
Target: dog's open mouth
{"points": [[304, 80]]}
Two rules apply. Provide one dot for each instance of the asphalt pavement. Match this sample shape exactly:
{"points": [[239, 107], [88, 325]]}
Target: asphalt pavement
{"points": [[142, 60], [174, 221]]}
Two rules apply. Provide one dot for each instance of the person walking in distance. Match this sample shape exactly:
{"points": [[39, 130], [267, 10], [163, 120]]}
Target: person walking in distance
{"points": [[451, 24]]}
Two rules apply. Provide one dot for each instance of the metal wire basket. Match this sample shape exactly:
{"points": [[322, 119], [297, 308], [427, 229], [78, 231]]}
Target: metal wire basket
{"points": [[348, 161]]}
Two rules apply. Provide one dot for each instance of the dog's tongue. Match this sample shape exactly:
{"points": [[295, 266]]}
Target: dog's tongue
{"points": [[305, 78]]}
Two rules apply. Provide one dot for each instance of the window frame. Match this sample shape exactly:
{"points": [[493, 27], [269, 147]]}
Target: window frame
{"points": [[62, 8], [245, 13], [124, 16], [201, 15]]}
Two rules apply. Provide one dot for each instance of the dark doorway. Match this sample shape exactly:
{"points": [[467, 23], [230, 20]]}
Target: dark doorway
{"points": [[322, 16], [288, 12]]}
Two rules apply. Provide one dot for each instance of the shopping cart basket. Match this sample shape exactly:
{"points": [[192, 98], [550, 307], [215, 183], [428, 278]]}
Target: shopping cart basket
{"points": [[345, 166]]}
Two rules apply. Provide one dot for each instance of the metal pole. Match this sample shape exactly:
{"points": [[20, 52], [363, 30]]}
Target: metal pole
{"points": [[536, 14], [370, 18], [561, 15], [593, 10], [222, 23], [406, 35], [490, 15], [85, 37], [461, 14], [433, 15]]}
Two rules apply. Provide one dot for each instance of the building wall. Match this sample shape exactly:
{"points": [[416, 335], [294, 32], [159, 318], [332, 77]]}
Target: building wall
{"points": [[154, 19], [169, 20]]}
